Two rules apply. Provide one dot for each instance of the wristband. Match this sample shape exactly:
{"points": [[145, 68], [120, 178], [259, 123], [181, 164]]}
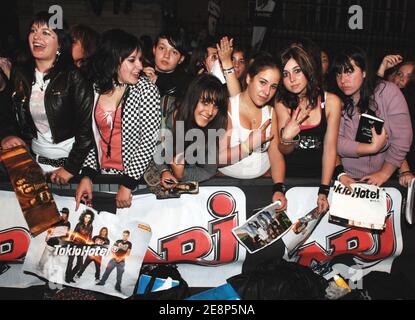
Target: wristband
{"points": [[229, 70], [324, 189], [278, 187]]}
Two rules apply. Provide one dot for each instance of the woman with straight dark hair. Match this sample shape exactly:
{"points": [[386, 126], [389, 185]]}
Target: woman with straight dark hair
{"points": [[84, 43], [202, 112], [125, 118], [362, 92], [51, 104], [308, 121]]}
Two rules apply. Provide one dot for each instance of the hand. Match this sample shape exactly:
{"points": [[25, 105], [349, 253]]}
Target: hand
{"points": [[60, 176], [83, 191], [124, 197], [322, 203], [151, 74], [292, 127], [379, 141], [259, 136], [280, 196], [388, 62], [165, 176], [405, 179], [225, 49], [6, 66], [347, 181], [376, 179], [12, 141]]}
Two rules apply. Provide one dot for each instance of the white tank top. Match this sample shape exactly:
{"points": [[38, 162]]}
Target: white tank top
{"points": [[257, 164]]}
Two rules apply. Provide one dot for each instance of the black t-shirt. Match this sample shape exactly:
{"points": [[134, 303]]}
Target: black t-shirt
{"points": [[174, 83], [121, 247], [100, 240], [306, 160]]}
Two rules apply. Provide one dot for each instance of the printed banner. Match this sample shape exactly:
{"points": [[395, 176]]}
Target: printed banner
{"points": [[14, 242], [99, 252], [348, 251], [196, 232]]}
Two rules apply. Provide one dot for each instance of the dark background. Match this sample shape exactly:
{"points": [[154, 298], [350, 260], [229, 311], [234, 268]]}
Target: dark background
{"points": [[388, 25]]}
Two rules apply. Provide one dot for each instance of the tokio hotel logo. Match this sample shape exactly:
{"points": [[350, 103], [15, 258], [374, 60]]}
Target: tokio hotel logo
{"points": [[195, 244], [358, 192], [81, 251]]}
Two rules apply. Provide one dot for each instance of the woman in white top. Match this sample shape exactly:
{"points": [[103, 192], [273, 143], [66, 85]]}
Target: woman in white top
{"points": [[252, 142]]}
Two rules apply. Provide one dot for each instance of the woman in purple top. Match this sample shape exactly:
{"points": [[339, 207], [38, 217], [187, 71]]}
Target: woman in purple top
{"points": [[361, 92]]}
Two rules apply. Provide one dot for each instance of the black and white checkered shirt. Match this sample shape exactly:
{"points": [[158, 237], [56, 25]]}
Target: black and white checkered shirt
{"points": [[141, 119]]}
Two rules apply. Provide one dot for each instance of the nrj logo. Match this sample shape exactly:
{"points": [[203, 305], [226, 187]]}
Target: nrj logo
{"points": [[214, 245], [14, 243]]}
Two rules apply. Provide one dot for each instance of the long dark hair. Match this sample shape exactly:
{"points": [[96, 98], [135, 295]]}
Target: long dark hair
{"points": [[102, 67], [83, 214], [208, 88], [343, 63], [309, 68], [88, 37], [63, 59]]}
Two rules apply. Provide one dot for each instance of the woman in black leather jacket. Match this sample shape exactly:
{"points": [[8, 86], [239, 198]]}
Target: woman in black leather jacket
{"points": [[51, 104]]}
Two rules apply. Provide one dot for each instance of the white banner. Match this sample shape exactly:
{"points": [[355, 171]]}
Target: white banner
{"points": [[352, 252], [195, 230]]}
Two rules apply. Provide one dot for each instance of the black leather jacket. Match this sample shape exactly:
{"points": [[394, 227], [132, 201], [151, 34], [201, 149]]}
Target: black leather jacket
{"points": [[68, 102]]}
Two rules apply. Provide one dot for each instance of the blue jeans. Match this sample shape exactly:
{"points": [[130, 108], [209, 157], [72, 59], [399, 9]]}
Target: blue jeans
{"points": [[120, 270]]}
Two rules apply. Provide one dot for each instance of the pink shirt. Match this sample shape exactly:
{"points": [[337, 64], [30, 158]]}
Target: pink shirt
{"points": [[105, 122]]}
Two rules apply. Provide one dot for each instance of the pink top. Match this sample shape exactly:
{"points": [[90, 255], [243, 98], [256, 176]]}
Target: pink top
{"points": [[105, 122]]}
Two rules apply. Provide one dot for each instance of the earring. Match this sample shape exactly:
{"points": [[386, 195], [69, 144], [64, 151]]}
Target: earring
{"points": [[58, 53]]}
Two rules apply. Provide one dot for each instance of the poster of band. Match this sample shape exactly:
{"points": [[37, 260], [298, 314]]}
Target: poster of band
{"points": [[99, 252], [195, 232]]}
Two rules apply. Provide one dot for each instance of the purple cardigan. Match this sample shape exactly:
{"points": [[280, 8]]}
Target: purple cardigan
{"points": [[393, 109]]}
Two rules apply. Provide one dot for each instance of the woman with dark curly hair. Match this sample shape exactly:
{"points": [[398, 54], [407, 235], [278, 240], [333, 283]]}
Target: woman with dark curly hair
{"points": [[126, 116], [51, 104], [308, 121]]}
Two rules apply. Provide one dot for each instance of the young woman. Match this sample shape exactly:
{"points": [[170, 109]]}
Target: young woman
{"points": [[52, 104], [84, 43], [361, 92], [205, 57], [308, 122], [126, 116], [203, 112], [252, 139]]}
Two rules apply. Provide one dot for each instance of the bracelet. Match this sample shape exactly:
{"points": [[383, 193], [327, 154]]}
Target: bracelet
{"points": [[324, 189], [338, 171], [278, 187], [404, 173], [341, 174], [296, 139], [229, 70]]}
